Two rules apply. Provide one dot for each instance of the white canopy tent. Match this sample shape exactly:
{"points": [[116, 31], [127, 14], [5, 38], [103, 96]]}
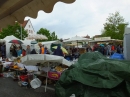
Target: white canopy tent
{"points": [[77, 39], [7, 39], [48, 43], [11, 37], [26, 42]]}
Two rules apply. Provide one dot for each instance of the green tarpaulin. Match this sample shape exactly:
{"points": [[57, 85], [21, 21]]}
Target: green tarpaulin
{"points": [[95, 76]]}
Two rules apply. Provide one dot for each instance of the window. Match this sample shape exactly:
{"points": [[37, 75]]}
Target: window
{"points": [[29, 26]]}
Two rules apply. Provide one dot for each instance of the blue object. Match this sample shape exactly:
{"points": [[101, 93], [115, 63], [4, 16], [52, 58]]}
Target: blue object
{"points": [[19, 52], [68, 58], [117, 56], [24, 83]]}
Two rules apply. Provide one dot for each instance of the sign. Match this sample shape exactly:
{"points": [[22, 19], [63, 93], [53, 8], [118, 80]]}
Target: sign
{"points": [[102, 38], [54, 75]]}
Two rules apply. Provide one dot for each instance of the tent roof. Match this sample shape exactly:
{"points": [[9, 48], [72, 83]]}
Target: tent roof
{"points": [[17, 10], [105, 40], [77, 38], [11, 37], [49, 42]]}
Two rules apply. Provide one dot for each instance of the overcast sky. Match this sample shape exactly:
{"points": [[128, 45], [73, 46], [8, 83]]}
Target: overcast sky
{"points": [[83, 17]]}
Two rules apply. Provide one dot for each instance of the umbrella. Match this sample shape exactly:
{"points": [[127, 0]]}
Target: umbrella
{"points": [[37, 36], [16, 41], [62, 48]]}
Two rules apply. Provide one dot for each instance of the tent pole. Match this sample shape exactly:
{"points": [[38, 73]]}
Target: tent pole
{"points": [[77, 43], [46, 78]]}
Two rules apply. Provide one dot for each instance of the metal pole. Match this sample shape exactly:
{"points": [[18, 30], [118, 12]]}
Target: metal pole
{"points": [[46, 78], [21, 31]]}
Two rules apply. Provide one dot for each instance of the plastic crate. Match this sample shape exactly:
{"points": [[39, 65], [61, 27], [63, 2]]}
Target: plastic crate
{"points": [[6, 74]]}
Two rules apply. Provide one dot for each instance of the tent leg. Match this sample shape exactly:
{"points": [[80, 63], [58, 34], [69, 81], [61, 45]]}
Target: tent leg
{"points": [[46, 78], [46, 84]]}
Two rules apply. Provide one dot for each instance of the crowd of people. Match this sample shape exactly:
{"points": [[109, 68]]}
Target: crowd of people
{"points": [[106, 49], [16, 51], [73, 53]]}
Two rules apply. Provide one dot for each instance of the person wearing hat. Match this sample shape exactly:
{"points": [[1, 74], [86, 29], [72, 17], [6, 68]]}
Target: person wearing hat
{"points": [[42, 50]]}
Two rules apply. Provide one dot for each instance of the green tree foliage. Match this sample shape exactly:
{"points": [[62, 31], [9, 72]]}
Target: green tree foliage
{"points": [[13, 30], [114, 26], [48, 34]]}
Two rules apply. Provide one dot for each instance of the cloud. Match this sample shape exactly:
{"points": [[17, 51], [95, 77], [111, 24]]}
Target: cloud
{"points": [[83, 17]]}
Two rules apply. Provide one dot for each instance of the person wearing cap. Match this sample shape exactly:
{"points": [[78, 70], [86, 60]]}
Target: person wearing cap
{"points": [[42, 50]]}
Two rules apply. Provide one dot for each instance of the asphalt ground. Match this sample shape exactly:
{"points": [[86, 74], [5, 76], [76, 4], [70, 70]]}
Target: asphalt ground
{"points": [[10, 88]]}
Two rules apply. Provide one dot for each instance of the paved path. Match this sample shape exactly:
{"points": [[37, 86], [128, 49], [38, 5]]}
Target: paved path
{"points": [[10, 88]]}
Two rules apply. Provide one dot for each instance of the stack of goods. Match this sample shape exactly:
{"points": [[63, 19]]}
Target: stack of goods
{"points": [[55, 72]]}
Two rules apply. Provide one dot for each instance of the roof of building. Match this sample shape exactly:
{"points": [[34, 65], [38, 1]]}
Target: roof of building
{"points": [[25, 23], [0, 29], [97, 36], [87, 36]]}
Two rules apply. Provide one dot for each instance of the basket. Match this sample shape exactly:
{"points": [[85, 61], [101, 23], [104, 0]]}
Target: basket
{"points": [[6, 74]]}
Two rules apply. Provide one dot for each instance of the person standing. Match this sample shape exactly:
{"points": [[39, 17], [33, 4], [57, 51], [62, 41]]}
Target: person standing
{"points": [[58, 51], [42, 49], [19, 51], [112, 49], [13, 50], [28, 50], [108, 50], [3, 50], [45, 50]]}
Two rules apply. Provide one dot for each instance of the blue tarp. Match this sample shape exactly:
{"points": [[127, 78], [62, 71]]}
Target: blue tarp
{"points": [[117, 56]]}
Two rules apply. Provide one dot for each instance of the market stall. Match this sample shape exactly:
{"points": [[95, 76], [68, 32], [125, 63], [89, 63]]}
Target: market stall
{"points": [[54, 71], [6, 40], [47, 66]]}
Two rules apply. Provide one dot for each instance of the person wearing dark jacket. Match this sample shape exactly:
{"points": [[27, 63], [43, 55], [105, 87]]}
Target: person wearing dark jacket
{"points": [[58, 51], [13, 50]]}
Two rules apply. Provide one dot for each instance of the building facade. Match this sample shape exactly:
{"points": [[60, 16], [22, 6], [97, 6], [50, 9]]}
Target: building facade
{"points": [[27, 25]]}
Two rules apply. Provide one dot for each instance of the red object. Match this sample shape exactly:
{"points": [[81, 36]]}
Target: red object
{"points": [[23, 52], [54, 75], [16, 41], [1, 75], [23, 77], [112, 48]]}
